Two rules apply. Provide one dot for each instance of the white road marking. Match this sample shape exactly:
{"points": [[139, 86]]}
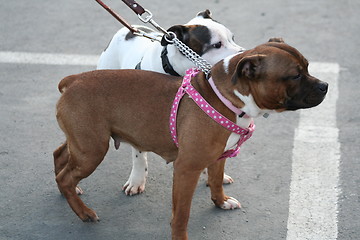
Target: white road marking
{"points": [[314, 185], [48, 58]]}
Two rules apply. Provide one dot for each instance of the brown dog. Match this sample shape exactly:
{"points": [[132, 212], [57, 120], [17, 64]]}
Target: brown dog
{"points": [[134, 106]]}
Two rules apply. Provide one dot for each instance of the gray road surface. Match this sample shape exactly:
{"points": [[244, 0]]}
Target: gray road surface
{"points": [[30, 204]]}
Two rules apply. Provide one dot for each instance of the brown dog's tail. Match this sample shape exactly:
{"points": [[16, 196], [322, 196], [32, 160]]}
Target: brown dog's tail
{"points": [[66, 82]]}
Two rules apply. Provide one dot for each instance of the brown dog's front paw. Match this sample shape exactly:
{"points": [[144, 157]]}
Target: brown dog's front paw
{"points": [[228, 203], [89, 216]]}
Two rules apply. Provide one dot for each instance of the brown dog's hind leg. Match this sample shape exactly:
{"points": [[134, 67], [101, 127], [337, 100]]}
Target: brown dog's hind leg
{"points": [[81, 164], [215, 182], [61, 158]]}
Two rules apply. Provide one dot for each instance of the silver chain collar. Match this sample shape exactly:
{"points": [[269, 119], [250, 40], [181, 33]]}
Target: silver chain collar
{"points": [[199, 62]]}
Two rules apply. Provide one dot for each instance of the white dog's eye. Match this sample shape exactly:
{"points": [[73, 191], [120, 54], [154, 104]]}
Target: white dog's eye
{"points": [[217, 45]]}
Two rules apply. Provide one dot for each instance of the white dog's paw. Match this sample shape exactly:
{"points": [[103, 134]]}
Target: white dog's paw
{"points": [[136, 183], [230, 203], [132, 189], [227, 179]]}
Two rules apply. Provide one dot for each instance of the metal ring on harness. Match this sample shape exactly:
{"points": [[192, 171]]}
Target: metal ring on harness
{"points": [[170, 35]]}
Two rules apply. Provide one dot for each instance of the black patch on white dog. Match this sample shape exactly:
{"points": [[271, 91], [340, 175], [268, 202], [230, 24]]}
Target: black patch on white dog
{"points": [[197, 37], [200, 38]]}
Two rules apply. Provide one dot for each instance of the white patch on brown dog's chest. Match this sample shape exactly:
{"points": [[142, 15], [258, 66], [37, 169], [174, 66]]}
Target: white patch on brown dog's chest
{"points": [[234, 137], [251, 108]]}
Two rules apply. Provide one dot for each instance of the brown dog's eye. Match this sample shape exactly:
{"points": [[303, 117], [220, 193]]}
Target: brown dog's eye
{"points": [[217, 45], [297, 77]]}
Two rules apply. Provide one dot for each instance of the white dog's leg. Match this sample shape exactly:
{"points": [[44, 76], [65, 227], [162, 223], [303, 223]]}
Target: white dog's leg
{"points": [[226, 180], [136, 182]]}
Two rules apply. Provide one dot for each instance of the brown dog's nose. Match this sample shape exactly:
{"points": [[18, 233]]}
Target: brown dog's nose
{"points": [[323, 87]]}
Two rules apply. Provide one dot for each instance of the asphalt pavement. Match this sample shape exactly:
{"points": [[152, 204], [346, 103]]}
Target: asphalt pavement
{"points": [[325, 31]]}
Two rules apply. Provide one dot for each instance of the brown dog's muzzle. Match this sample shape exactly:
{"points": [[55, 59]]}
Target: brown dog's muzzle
{"points": [[318, 94], [308, 97]]}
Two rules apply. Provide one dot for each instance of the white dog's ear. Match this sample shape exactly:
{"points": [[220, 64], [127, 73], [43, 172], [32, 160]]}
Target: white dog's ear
{"points": [[181, 32], [248, 67], [204, 14]]}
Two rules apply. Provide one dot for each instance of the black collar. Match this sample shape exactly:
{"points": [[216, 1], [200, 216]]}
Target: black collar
{"points": [[138, 66], [166, 63]]}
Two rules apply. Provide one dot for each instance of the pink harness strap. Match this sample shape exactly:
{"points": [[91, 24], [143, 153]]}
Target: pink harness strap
{"points": [[186, 87]]}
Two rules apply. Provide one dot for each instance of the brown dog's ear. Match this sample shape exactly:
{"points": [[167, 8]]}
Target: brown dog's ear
{"points": [[276, 39], [248, 67], [182, 33], [204, 14]]}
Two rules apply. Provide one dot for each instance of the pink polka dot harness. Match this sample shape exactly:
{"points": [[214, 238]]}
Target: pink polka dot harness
{"points": [[186, 87]]}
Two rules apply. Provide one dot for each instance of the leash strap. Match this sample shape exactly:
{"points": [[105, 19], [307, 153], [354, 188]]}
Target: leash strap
{"points": [[186, 87], [118, 17], [139, 10]]}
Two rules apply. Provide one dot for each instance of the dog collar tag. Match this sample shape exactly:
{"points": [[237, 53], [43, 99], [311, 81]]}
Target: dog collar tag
{"points": [[266, 115], [241, 114]]}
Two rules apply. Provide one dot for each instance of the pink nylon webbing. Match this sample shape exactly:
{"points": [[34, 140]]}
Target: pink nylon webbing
{"points": [[186, 87]]}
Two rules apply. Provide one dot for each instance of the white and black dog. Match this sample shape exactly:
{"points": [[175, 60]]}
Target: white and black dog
{"points": [[207, 37]]}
